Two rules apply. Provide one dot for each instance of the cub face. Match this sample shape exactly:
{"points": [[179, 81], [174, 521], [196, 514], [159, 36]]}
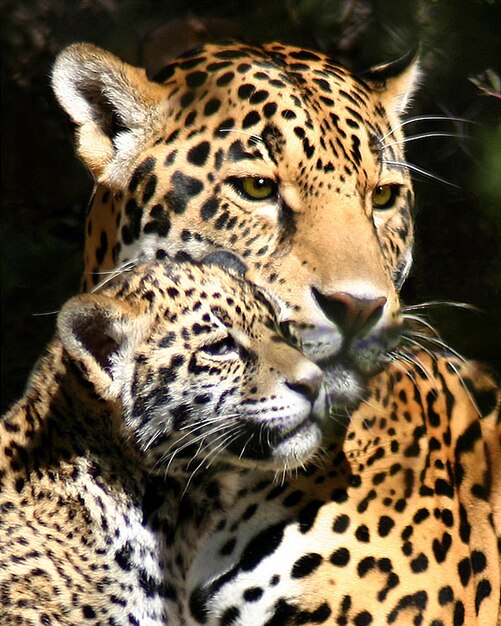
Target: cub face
{"points": [[200, 367], [273, 152]]}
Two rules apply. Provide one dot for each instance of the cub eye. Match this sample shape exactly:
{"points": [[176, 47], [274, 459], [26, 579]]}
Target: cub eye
{"points": [[288, 331], [255, 188], [220, 348], [384, 196]]}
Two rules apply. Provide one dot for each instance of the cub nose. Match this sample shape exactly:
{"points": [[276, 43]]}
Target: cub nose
{"points": [[307, 382], [350, 313]]}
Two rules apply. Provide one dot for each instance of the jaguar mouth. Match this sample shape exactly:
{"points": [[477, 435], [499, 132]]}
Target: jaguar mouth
{"points": [[347, 366], [282, 446]]}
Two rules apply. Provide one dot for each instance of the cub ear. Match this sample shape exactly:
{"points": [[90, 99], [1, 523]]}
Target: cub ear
{"points": [[396, 81], [101, 335], [115, 107]]}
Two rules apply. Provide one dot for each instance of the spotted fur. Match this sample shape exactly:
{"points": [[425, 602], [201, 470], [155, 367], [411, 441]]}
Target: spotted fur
{"points": [[401, 522], [175, 156], [164, 370]]}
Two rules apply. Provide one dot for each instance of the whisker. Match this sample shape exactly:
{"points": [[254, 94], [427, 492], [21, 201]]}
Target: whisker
{"points": [[428, 118], [419, 170], [110, 275], [465, 387], [415, 362], [422, 136], [419, 320], [438, 341], [426, 305]]}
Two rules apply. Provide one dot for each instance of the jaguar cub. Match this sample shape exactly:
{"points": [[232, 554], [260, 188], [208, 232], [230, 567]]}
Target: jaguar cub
{"points": [[166, 369]]}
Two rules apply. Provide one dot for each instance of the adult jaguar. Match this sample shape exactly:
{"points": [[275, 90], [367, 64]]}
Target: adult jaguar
{"points": [[297, 165], [168, 366], [273, 152]]}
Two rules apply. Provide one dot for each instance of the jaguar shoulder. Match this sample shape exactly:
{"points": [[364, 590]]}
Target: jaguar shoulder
{"points": [[400, 524]]}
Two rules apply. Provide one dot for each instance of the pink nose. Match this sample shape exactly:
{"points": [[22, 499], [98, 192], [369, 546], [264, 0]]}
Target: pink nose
{"points": [[350, 313]]}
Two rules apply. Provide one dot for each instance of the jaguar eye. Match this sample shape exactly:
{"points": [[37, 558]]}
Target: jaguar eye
{"points": [[221, 347], [384, 196], [289, 333], [255, 187]]}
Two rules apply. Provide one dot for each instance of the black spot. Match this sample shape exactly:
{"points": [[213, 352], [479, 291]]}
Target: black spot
{"points": [[443, 488], [167, 340], [304, 55], [224, 79], [341, 523], [251, 119], [261, 545], [293, 498], [259, 96], [483, 591], [198, 604], [305, 565], [340, 557], [419, 564], [362, 534], [365, 565], [140, 172], [419, 600], [339, 495], [228, 547], [363, 619], [478, 561], [421, 515], [459, 613], [269, 109], [209, 208], [229, 616], [183, 189], [253, 594], [441, 548], [308, 514], [385, 525], [187, 99], [445, 595], [123, 557], [212, 107], [284, 612], [196, 79], [88, 612], [245, 91], [199, 153], [464, 571]]}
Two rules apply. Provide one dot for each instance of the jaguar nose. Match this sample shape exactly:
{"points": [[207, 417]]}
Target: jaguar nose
{"points": [[350, 313], [308, 382]]}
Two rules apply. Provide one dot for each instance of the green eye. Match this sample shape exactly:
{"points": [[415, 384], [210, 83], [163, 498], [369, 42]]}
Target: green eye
{"points": [[256, 188], [384, 196]]}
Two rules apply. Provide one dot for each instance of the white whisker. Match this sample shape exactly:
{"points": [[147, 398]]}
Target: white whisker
{"points": [[428, 118], [422, 136], [419, 170]]}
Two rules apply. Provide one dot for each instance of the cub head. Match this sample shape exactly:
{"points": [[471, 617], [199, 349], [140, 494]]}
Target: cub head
{"points": [[273, 152], [200, 366]]}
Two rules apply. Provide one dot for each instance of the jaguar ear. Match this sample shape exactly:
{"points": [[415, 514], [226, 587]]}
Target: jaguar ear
{"points": [[100, 335], [115, 107], [396, 81]]}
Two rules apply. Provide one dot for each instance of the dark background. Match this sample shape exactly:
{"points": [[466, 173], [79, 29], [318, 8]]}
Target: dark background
{"points": [[45, 190]]}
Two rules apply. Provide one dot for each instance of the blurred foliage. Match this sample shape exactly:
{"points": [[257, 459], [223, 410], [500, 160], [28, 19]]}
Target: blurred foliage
{"points": [[45, 188]]}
